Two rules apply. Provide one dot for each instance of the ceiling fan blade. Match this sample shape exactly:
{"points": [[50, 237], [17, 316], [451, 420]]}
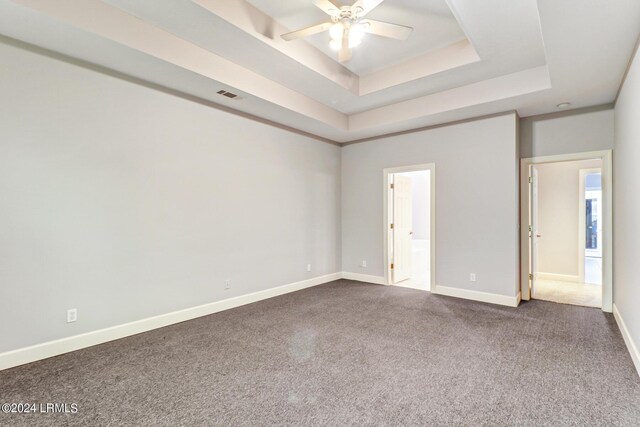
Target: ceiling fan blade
{"points": [[314, 29], [345, 52], [366, 6], [385, 29], [328, 7]]}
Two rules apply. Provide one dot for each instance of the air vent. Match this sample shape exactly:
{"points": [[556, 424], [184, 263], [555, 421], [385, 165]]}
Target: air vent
{"points": [[228, 94]]}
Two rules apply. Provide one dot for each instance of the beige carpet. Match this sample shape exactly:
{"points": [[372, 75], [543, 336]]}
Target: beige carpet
{"points": [[568, 292]]}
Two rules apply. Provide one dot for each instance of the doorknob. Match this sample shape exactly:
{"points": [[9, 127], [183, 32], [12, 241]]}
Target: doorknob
{"points": [[538, 235]]}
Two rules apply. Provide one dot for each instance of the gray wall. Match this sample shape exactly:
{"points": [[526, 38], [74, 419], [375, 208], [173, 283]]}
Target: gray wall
{"points": [[558, 216], [626, 205], [476, 201], [125, 202], [577, 131]]}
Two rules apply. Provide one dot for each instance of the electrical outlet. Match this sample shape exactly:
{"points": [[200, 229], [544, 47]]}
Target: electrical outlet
{"points": [[363, 264], [308, 267], [472, 277], [72, 315], [227, 284]]}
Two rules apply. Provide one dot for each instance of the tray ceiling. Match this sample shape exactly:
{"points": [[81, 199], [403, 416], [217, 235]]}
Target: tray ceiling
{"points": [[467, 58]]}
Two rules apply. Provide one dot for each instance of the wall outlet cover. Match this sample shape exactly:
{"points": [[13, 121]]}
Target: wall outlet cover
{"points": [[72, 315]]}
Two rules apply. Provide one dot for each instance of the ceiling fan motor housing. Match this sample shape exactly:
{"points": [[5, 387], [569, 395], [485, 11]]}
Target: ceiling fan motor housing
{"points": [[348, 13]]}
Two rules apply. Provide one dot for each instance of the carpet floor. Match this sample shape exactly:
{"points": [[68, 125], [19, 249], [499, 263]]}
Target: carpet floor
{"points": [[348, 353]]}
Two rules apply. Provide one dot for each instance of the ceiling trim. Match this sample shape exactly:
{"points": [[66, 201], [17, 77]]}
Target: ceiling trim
{"points": [[569, 113], [436, 61], [160, 88], [154, 86], [456, 14], [439, 125], [107, 21], [503, 87]]}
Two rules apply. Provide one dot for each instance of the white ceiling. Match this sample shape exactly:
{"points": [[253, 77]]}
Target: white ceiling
{"points": [[523, 55]]}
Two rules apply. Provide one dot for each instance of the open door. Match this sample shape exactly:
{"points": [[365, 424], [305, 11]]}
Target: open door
{"points": [[402, 228], [534, 233]]}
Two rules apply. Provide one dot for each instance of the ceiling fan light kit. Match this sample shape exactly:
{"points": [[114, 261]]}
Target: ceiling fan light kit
{"points": [[336, 32], [347, 27]]}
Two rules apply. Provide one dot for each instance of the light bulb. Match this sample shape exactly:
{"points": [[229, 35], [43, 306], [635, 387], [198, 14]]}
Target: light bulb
{"points": [[335, 44], [336, 31], [356, 33]]}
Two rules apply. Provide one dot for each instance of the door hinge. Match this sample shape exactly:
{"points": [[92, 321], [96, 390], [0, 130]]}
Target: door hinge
{"points": [[530, 276], [530, 179], [392, 226], [391, 186], [530, 228], [392, 266]]}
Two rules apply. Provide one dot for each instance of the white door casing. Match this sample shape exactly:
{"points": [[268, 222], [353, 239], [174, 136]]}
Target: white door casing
{"points": [[402, 228]]}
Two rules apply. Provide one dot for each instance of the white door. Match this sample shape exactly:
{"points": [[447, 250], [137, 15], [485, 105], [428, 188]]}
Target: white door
{"points": [[534, 233], [402, 228]]}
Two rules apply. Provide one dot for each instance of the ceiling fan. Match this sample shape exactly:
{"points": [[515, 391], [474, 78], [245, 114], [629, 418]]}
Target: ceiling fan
{"points": [[347, 26]]}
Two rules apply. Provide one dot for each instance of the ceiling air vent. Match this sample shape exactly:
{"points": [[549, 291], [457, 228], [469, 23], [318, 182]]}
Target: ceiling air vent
{"points": [[228, 94]]}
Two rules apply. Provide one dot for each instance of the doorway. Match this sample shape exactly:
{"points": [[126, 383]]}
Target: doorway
{"points": [[566, 205], [591, 224], [409, 231]]}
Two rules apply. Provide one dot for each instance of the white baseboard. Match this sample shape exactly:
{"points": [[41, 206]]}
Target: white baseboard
{"points": [[378, 280], [64, 345], [631, 345], [478, 296], [410, 285], [559, 277], [513, 301]]}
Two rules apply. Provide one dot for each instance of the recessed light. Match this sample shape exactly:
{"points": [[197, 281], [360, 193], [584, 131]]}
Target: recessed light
{"points": [[564, 105]]}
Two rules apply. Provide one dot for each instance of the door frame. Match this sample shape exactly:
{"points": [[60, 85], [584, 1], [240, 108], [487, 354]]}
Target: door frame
{"points": [[386, 228], [607, 219]]}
